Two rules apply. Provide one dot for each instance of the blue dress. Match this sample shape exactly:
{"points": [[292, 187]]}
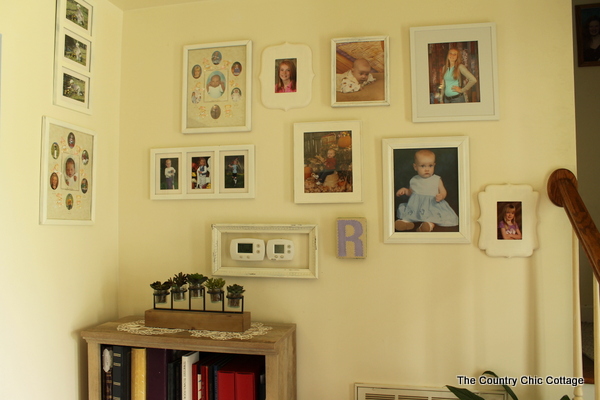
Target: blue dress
{"points": [[421, 205]]}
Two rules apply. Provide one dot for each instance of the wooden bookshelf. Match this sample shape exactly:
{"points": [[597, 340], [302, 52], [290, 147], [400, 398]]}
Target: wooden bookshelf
{"points": [[278, 346]]}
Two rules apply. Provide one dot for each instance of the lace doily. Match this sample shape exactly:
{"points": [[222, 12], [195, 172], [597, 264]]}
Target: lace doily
{"points": [[139, 328]]}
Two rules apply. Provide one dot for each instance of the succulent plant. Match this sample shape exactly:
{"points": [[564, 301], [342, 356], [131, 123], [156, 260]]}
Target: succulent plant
{"points": [[196, 279], [235, 290], [161, 286], [214, 283], [179, 279]]}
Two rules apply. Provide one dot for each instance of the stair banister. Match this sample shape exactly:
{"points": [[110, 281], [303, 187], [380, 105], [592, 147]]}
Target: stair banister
{"points": [[562, 191]]}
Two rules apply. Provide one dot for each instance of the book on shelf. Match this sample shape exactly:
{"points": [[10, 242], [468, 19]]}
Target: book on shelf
{"points": [[242, 379], [156, 373], [121, 373], [106, 360], [187, 360], [138, 373]]}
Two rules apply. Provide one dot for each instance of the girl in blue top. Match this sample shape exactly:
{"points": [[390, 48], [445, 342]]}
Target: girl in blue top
{"points": [[453, 72]]}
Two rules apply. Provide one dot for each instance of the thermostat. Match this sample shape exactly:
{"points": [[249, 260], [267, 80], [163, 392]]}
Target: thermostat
{"points": [[280, 249], [247, 249]]}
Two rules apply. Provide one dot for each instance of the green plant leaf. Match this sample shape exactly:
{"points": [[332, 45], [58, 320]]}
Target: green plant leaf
{"points": [[464, 394], [507, 388]]}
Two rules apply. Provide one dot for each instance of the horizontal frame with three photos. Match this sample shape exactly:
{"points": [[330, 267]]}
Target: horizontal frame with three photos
{"points": [[451, 164], [345, 53], [211, 172], [476, 46]]}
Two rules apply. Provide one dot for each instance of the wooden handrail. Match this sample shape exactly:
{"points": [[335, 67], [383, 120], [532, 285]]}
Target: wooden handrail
{"points": [[562, 190]]}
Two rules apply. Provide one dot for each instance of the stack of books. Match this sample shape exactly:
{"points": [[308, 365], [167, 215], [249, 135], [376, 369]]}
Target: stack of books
{"points": [[130, 373]]}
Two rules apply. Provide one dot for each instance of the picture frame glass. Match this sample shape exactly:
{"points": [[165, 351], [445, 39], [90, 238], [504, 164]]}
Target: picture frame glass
{"points": [[426, 186], [168, 173], [286, 76], [68, 171], [202, 174], [217, 87], [327, 162], [587, 31], [233, 171], [360, 69], [454, 73]]}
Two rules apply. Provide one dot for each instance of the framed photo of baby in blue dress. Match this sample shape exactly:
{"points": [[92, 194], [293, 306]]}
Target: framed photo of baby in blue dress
{"points": [[426, 190]]}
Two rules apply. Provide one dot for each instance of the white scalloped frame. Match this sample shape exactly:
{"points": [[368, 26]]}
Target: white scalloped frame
{"points": [[488, 202], [304, 76]]}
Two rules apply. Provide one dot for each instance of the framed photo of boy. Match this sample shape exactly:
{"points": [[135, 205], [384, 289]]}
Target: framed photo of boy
{"points": [[454, 73], [76, 15], [426, 190], [327, 162], [68, 174], [587, 26], [286, 77], [211, 172], [360, 70], [217, 87], [72, 90], [508, 220]]}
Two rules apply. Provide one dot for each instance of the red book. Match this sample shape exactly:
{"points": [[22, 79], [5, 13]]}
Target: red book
{"points": [[244, 373], [156, 374]]}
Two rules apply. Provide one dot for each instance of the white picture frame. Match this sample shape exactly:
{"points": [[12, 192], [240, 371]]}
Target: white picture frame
{"points": [[429, 47], [230, 173], [227, 106], [304, 264], [73, 55], [452, 164], [67, 199], [521, 199], [298, 61], [313, 142], [346, 54]]}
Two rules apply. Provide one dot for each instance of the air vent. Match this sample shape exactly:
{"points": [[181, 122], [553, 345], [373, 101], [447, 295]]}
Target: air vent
{"points": [[367, 391]]}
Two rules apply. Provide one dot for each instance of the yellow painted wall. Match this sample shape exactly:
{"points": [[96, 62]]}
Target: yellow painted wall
{"points": [[408, 314], [56, 280]]}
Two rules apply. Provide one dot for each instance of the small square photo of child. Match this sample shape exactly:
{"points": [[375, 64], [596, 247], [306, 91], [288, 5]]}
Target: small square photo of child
{"points": [[509, 220]]}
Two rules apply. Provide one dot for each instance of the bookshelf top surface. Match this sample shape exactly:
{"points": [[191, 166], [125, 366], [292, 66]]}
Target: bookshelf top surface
{"points": [[107, 333]]}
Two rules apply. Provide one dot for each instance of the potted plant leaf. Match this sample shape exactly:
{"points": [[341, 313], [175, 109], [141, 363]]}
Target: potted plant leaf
{"points": [[161, 291], [214, 287], [195, 287], [178, 286], [466, 394], [234, 295]]}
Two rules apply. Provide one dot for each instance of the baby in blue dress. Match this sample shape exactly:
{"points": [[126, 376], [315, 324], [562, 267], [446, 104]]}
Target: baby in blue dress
{"points": [[426, 196]]}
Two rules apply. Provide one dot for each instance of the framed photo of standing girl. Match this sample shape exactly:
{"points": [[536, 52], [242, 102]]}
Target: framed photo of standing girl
{"points": [[426, 190], [454, 73]]}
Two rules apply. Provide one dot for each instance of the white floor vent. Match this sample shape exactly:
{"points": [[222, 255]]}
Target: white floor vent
{"points": [[367, 391]]}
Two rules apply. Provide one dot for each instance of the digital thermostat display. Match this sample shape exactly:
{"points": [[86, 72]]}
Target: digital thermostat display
{"points": [[247, 249], [280, 250]]}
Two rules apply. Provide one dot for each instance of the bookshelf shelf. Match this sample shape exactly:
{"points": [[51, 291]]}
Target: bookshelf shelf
{"points": [[278, 346]]}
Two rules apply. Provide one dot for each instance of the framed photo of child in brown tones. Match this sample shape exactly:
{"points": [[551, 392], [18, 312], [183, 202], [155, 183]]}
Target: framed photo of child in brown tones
{"points": [[327, 162], [508, 220], [360, 68], [426, 190]]}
